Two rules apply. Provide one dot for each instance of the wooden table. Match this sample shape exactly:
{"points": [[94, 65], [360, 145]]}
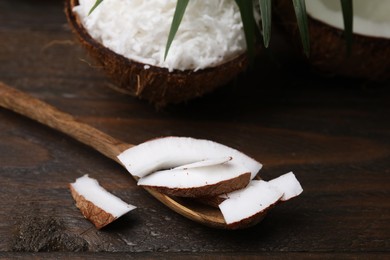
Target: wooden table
{"points": [[333, 133]]}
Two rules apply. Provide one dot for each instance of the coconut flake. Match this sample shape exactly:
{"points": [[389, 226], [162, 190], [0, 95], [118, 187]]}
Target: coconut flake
{"points": [[205, 163], [288, 184], [96, 203], [169, 152], [246, 203], [192, 177], [210, 33]]}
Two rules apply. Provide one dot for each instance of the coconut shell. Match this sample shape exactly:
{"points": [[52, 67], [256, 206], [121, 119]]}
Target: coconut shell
{"points": [[369, 57], [156, 84], [208, 190], [90, 211]]}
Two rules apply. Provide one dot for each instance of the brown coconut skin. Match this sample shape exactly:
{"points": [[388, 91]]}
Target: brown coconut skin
{"points": [[156, 84], [90, 211], [369, 57], [222, 187]]}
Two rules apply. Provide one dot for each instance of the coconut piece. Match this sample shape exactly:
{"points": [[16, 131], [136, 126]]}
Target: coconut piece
{"points": [[204, 163], [371, 41], [198, 181], [170, 152], [156, 84], [288, 184], [95, 203], [249, 205]]}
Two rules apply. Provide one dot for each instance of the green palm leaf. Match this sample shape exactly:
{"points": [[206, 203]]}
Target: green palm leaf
{"points": [[97, 3], [300, 12], [248, 21], [266, 18], [181, 6], [347, 9]]}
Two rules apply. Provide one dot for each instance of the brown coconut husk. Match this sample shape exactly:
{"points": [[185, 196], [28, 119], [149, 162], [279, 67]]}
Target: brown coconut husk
{"points": [[368, 59], [156, 84]]}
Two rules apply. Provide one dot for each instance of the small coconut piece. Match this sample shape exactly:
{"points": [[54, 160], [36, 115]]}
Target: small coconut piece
{"points": [[170, 152], [249, 205], [95, 203], [288, 184], [199, 181]]}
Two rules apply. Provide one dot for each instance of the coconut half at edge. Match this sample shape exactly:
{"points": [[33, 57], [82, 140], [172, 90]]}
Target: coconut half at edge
{"points": [[370, 51], [155, 84], [95, 203]]}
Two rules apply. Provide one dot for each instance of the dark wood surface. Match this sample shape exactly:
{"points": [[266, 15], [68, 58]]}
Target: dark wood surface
{"points": [[333, 133]]}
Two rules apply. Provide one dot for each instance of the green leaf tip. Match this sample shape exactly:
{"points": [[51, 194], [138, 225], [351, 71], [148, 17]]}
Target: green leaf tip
{"points": [[249, 23], [300, 13], [347, 9], [97, 3], [266, 20], [181, 6]]}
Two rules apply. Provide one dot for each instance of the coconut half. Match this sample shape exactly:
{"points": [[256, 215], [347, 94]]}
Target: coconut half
{"points": [[142, 77], [95, 203], [170, 152], [370, 51]]}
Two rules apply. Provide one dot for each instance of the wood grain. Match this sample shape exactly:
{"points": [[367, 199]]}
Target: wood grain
{"points": [[334, 133]]}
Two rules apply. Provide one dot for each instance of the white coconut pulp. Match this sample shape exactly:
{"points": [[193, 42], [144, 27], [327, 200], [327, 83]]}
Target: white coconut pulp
{"points": [[193, 177], [288, 184], [255, 198], [258, 196], [170, 152], [90, 189], [371, 17], [211, 32]]}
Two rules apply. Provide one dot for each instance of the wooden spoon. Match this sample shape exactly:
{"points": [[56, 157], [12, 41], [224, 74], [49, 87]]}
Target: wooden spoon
{"points": [[46, 114]]}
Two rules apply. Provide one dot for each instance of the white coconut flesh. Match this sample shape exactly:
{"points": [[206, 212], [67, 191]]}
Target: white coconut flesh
{"points": [[243, 204], [204, 163], [90, 189], [371, 17], [258, 196], [170, 152], [288, 184], [210, 33], [187, 178]]}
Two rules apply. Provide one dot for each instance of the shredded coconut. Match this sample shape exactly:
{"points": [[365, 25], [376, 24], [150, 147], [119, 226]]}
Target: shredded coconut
{"points": [[211, 32]]}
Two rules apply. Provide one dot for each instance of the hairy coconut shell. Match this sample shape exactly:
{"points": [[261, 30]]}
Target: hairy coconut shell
{"points": [[156, 84], [369, 57]]}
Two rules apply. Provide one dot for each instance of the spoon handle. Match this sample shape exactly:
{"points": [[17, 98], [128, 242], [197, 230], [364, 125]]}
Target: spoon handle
{"points": [[46, 114]]}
